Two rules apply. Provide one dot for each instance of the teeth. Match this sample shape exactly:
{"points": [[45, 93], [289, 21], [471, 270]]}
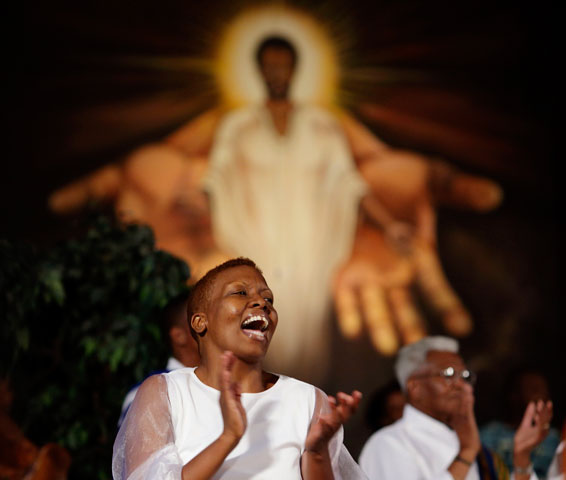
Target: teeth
{"points": [[257, 318], [255, 333]]}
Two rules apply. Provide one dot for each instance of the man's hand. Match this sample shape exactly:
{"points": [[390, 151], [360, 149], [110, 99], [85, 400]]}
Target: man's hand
{"points": [[532, 431], [326, 425], [463, 422], [233, 413]]}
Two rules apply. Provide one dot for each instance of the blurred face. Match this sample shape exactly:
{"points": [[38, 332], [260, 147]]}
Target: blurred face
{"points": [[394, 407], [240, 316], [277, 68], [434, 394], [533, 387]]}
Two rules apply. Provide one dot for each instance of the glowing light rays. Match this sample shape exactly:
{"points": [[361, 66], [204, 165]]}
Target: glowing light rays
{"points": [[238, 79]]}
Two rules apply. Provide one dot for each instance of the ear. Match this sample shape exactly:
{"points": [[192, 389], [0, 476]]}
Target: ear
{"points": [[199, 323]]}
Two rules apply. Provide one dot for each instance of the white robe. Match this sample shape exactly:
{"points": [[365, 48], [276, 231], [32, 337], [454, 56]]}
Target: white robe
{"points": [[290, 203], [416, 447]]}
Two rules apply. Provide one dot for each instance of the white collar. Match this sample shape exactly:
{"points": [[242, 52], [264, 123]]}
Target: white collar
{"points": [[174, 364], [426, 423], [436, 443]]}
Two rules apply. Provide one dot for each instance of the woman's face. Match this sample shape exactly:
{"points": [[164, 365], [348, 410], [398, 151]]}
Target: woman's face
{"points": [[240, 315]]}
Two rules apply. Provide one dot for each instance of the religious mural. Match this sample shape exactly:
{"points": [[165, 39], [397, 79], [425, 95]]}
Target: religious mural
{"points": [[390, 166], [276, 172]]}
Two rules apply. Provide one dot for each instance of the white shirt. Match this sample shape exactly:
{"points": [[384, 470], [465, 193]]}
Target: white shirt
{"points": [[415, 447], [278, 420]]}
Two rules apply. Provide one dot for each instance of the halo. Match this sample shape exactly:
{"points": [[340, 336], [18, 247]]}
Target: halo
{"points": [[239, 81]]}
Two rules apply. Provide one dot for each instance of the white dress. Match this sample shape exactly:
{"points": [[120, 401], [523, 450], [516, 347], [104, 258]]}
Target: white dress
{"points": [[175, 416], [290, 203]]}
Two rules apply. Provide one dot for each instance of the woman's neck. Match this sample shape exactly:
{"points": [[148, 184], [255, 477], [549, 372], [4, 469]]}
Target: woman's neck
{"points": [[249, 376]]}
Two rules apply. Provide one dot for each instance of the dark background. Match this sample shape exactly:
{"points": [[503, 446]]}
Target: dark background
{"points": [[474, 83]]}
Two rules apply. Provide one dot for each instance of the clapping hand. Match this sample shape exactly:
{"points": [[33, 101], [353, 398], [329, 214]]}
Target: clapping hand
{"points": [[463, 422], [327, 424], [533, 429], [233, 413]]}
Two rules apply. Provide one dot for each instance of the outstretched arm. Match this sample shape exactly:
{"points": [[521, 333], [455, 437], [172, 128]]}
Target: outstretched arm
{"points": [[315, 461], [196, 137], [103, 184]]}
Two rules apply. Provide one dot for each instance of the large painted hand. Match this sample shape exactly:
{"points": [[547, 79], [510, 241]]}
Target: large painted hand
{"points": [[99, 186], [400, 235], [451, 187], [325, 425], [233, 413], [371, 293]]}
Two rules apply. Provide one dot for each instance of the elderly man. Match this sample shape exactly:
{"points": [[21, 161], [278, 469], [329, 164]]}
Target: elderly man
{"points": [[437, 437]]}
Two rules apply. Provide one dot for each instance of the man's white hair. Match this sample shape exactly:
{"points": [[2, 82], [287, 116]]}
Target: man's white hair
{"points": [[413, 356]]}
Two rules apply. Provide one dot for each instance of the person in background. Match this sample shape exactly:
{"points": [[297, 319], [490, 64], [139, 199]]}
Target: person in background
{"points": [[438, 437], [525, 385], [385, 406], [183, 347]]}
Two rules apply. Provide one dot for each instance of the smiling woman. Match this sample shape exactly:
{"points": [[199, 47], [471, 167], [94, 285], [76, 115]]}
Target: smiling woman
{"points": [[228, 418], [230, 302]]}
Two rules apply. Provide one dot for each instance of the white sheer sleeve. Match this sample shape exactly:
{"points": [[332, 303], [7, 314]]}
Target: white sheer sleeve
{"points": [[144, 447], [344, 466]]}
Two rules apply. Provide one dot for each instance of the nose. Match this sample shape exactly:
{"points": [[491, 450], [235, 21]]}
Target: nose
{"points": [[259, 302]]}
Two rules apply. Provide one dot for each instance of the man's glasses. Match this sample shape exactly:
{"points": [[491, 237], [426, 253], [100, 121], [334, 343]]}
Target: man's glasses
{"points": [[450, 374]]}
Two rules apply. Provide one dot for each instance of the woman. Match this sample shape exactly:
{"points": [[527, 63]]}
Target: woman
{"points": [[228, 418]]}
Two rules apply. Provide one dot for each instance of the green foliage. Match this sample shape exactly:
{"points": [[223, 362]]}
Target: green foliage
{"points": [[81, 326]]}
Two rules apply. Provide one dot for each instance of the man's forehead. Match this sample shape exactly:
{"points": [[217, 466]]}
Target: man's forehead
{"points": [[444, 359]]}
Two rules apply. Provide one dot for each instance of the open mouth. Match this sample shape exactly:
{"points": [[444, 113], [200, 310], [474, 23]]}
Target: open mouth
{"points": [[256, 323]]}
